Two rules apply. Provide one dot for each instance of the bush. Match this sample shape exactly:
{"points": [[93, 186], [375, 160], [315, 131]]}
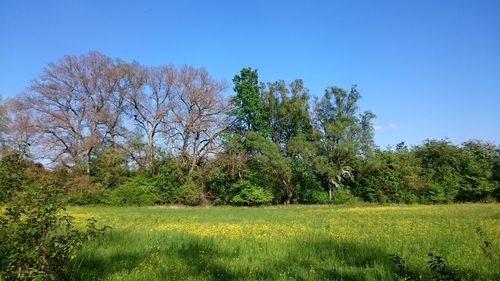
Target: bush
{"points": [[169, 182], [190, 193], [98, 197], [312, 196], [108, 168], [251, 195], [342, 195], [12, 177], [136, 191], [36, 243], [219, 186]]}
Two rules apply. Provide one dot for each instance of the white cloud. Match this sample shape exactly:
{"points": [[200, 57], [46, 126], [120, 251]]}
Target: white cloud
{"points": [[378, 128], [392, 126]]}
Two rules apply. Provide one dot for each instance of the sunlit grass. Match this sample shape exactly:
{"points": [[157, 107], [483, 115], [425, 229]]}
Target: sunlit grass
{"points": [[286, 243]]}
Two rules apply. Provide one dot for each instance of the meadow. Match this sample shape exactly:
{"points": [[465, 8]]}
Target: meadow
{"points": [[288, 242]]}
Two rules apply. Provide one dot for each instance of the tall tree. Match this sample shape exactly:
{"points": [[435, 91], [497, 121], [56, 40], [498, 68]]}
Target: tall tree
{"points": [[199, 115], [71, 107], [344, 134], [248, 109], [149, 105]]}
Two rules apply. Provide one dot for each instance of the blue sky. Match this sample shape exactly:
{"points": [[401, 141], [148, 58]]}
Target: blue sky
{"points": [[427, 69]]}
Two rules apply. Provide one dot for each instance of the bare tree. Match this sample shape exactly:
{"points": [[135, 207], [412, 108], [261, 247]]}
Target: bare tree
{"points": [[18, 132], [83, 104], [73, 105], [150, 103], [199, 115]]}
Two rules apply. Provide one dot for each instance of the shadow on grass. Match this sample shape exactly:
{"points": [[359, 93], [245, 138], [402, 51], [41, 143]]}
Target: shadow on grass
{"points": [[204, 259], [188, 257], [101, 259], [183, 257]]}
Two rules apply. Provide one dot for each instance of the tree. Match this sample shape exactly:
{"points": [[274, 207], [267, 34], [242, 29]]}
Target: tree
{"points": [[248, 109], [74, 107], [3, 123], [344, 134], [477, 169], [198, 116], [391, 176], [287, 113], [440, 161], [149, 105], [273, 166]]}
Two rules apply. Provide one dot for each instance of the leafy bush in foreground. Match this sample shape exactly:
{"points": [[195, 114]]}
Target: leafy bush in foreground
{"points": [[35, 242]]}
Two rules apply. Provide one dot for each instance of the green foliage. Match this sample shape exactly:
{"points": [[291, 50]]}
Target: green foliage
{"points": [[343, 134], [313, 196], [342, 195], [12, 176], [219, 185], [169, 182], [440, 269], [136, 191], [269, 162], [108, 168], [249, 109], [190, 193], [250, 194], [35, 242], [440, 162], [390, 176], [97, 197], [402, 272], [477, 168]]}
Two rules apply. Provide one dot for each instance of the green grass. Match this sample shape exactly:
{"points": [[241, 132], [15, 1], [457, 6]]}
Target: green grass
{"points": [[287, 243]]}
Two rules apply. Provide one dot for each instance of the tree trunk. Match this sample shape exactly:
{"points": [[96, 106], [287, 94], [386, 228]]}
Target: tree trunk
{"points": [[151, 152], [289, 190], [288, 197], [89, 159], [196, 146]]}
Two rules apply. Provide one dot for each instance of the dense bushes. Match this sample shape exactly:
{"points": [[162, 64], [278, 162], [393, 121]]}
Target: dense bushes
{"points": [[434, 172]]}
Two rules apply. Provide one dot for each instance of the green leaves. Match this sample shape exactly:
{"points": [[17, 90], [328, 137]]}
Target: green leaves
{"points": [[35, 242], [250, 194], [248, 108], [344, 136]]}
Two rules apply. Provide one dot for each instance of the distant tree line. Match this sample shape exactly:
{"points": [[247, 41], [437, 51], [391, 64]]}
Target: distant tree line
{"points": [[106, 131]]}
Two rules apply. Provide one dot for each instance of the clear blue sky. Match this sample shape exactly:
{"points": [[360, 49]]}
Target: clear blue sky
{"points": [[427, 69]]}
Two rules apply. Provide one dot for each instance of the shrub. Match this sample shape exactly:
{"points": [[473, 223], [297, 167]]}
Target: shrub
{"points": [[342, 195], [98, 197], [136, 191], [312, 196], [190, 193], [169, 182], [251, 195], [12, 176], [219, 186], [35, 242]]}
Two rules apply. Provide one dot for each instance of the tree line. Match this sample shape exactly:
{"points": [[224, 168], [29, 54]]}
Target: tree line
{"points": [[106, 131]]}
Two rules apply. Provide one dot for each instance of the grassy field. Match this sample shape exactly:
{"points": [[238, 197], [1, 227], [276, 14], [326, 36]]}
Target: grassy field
{"points": [[287, 243]]}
